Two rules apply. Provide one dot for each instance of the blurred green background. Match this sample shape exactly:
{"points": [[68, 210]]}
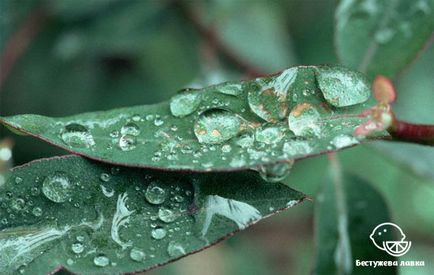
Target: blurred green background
{"points": [[69, 56]]}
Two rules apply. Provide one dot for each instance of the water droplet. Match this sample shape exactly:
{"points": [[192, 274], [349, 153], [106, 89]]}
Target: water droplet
{"points": [[158, 233], [179, 198], [342, 87], [276, 172], [344, 141], [77, 135], [230, 89], [37, 211], [101, 260], [57, 187], [77, 248], [216, 126], [104, 177], [158, 122], [167, 215], [269, 101], [245, 141], [18, 180], [130, 129], [115, 170], [70, 262], [226, 148], [137, 254], [155, 194], [304, 120], [269, 135], [18, 204], [127, 142], [107, 191], [175, 249], [185, 103], [296, 147], [34, 191]]}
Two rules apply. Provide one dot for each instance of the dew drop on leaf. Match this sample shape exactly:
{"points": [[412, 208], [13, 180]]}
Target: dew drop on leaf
{"points": [[77, 135], [105, 177], [57, 187], [101, 260], [155, 194], [184, 103], [342, 87], [18, 204], [175, 249], [230, 89], [296, 147], [77, 248], [127, 142], [216, 126], [167, 215], [269, 135], [130, 129], [341, 141], [158, 233], [137, 254], [276, 172], [303, 120], [37, 211]]}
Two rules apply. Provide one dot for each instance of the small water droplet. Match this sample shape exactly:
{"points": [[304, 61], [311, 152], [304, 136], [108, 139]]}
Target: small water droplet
{"points": [[130, 129], [34, 191], [296, 147], [127, 142], [270, 135], [303, 120], [167, 215], [184, 103], [175, 249], [179, 198], [230, 89], [158, 122], [107, 191], [101, 260], [115, 170], [155, 194], [276, 172], [384, 35], [18, 204], [137, 254], [70, 262], [216, 126], [77, 248], [18, 180], [245, 141], [226, 148], [57, 187], [37, 211], [104, 177], [77, 135], [158, 233]]}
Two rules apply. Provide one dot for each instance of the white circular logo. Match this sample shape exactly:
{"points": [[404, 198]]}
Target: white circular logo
{"points": [[394, 248]]}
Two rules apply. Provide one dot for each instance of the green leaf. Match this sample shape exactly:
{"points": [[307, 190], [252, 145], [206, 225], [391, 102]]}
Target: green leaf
{"points": [[382, 37], [302, 111], [343, 235], [92, 218]]}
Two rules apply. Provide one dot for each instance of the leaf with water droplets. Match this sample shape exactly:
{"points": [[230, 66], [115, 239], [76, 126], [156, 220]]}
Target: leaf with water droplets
{"points": [[382, 37], [55, 214], [251, 124]]}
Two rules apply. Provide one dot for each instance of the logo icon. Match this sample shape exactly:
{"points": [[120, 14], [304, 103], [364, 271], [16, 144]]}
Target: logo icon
{"points": [[383, 236]]}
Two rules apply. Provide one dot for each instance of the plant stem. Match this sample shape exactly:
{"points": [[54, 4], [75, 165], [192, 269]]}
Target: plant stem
{"points": [[19, 42], [415, 133], [210, 35]]}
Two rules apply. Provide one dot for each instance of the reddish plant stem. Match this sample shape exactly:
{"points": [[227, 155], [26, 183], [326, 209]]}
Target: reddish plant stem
{"points": [[214, 40], [19, 42], [416, 133]]}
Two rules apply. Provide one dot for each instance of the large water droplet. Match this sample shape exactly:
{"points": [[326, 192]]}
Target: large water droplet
{"points": [[216, 126], [276, 172], [130, 129], [342, 87], [304, 120], [77, 135], [184, 103], [269, 101], [101, 260], [155, 194], [167, 215], [175, 249], [158, 233], [127, 142], [57, 187], [137, 254]]}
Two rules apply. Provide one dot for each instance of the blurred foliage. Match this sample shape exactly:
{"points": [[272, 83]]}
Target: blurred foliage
{"points": [[102, 54]]}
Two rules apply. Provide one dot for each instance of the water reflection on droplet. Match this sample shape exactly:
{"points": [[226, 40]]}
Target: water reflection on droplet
{"points": [[155, 194], [77, 135], [57, 187]]}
